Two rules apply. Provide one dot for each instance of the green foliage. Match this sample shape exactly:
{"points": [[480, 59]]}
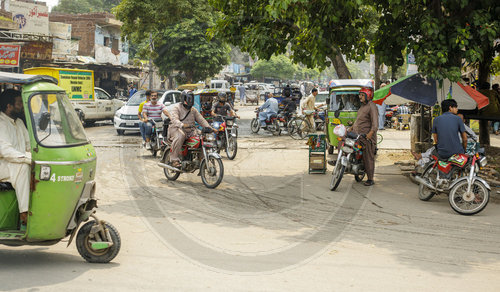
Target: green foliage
{"points": [[495, 66], [277, 67], [315, 32], [184, 47], [85, 6], [441, 34]]}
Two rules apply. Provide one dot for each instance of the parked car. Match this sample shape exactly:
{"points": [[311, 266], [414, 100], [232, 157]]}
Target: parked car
{"points": [[126, 118]]}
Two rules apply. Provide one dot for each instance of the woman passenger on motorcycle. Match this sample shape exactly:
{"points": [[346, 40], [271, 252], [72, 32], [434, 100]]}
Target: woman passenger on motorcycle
{"points": [[222, 107], [182, 125]]}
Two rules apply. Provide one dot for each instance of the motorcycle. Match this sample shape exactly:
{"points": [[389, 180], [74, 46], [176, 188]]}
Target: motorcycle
{"points": [[197, 152], [157, 137], [349, 159], [468, 194], [226, 137], [272, 124]]}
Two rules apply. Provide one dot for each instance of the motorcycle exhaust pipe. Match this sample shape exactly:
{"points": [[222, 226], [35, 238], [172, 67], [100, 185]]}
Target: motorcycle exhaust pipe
{"points": [[422, 181], [163, 165]]}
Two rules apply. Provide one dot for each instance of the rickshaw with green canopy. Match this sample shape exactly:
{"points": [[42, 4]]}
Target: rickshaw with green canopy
{"points": [[62, 193], [343, 105]]}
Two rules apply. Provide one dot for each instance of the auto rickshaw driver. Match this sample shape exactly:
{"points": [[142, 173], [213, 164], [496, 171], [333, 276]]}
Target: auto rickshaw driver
{"points": [[15, 155]]}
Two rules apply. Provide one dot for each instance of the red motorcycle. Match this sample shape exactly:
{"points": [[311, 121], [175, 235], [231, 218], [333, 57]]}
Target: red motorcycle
{"points": [[468, 194], [272, 124], [198, 152], [226, 137]]}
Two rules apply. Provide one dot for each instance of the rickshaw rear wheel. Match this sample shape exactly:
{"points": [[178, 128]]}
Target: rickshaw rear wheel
{"points": [[84, 244]]}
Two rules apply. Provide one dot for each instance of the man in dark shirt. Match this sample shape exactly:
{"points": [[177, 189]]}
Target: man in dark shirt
{"points": [[447, 129], [222, 108]]}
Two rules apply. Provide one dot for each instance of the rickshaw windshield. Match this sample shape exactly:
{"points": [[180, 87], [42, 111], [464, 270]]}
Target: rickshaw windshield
{"points": [[55, 122], [344, 101]]}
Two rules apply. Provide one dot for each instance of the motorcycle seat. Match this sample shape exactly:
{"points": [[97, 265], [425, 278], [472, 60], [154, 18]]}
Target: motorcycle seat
{"points": [[5, 186], [273, 116]]}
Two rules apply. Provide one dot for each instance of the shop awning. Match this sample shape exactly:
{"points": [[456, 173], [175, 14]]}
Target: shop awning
{"points": [[129, 77]]}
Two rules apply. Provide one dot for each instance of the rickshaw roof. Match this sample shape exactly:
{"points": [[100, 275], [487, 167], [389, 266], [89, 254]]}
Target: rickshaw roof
{"points": [[16, 78], [351, 83]]}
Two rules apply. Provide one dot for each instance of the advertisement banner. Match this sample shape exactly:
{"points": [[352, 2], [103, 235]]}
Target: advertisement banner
{"points": [[30, 17], [37, 51], [78, 84], [9, 55]]}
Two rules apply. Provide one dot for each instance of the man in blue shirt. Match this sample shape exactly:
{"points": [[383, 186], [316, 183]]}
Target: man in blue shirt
{"points": [[447, 130], [269, 108]]}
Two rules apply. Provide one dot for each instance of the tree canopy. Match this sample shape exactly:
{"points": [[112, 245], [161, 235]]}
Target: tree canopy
{"points": [[85, 6], [277, 66]]}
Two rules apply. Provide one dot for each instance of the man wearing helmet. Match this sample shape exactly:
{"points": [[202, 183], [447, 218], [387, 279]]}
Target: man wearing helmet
{"points": [[182, 121], [367, 123], [222, 107]]}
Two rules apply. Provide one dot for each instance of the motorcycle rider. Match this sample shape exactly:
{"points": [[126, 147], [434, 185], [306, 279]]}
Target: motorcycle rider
{"points": [[269, 108], [367, 123], [222, 107], [289, 105], [447, 130], [152, 110], [182, 121]]}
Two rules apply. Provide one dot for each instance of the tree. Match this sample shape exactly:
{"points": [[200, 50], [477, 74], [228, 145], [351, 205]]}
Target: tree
{"points": [[440, 33], [85, 6], [316, 33], [277, 66], [184, 47]]}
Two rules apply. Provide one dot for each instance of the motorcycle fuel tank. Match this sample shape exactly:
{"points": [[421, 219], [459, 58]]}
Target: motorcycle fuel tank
{"points": [[193, 142]]}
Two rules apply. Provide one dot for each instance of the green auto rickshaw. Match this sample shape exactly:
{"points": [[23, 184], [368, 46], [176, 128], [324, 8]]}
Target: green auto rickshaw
{"points": [[63, 190], [343, 105]]}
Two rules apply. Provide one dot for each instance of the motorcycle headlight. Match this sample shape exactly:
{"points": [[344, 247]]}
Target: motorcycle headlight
{"points": [[349, 142], [483, 161], [209, 137], [347, 149]]}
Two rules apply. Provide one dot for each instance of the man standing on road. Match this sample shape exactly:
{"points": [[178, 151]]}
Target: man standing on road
{"points": [[308, 104], [182, 121], [447, 130], [131, 90], [242, 89], [269, 108], [142, 124], [15, 153], [367, 123]]}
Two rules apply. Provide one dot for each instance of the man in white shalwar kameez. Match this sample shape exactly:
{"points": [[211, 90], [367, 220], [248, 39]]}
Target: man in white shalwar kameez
{"points": [[15, 155]]}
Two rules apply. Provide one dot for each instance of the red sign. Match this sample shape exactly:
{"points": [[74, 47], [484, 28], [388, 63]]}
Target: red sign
{"points": [[9, 55]]}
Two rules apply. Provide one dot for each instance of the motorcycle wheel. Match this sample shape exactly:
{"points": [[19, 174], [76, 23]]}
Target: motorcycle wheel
{"points": [[211, 172], [424, 193], [469, 203], [293, 128], [255, 126], [84, 243], [169, 174], [231, 147], [337, 174], [360, 176], [276, 130]]}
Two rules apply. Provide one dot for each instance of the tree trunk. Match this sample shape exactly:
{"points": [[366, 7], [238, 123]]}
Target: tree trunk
{"points": [[484, 133], [484, 74], [377, 73], [340, 67]]}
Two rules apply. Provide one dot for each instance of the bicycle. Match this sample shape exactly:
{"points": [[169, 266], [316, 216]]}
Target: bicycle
{"points": [[299, 127]]}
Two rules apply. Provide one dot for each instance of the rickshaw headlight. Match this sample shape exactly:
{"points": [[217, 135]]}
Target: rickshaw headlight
{"points": [[45, 172]]}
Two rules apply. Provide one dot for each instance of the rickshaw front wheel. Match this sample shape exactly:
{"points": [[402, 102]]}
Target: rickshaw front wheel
{"points": [[84, 240]]}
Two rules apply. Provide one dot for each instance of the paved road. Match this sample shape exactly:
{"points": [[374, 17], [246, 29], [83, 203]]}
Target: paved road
{"points": [[269, 226]]}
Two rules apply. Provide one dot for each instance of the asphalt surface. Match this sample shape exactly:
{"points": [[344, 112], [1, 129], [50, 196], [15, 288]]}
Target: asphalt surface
{"points": [[270, 226]]}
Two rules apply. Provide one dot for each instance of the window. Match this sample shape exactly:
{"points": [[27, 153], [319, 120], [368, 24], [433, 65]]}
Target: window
{"points": [[169, 98], [55, 122], [344, 101]]}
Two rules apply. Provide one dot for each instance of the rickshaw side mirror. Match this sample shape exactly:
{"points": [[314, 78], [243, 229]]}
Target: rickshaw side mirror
{"points": [[337, 114], [44, 121]]}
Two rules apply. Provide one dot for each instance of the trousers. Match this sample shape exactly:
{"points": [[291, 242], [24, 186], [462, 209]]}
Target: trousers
{"points": [[18, 174], [369, 158], [178, 136]]}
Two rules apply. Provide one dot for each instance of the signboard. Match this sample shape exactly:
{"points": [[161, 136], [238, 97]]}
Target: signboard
{"points": [[9, 55], [30, 17], [78, 84], [60, 30], [37, 51]]}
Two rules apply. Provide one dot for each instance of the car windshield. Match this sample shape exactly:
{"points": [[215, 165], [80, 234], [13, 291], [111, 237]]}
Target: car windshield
{"points": [[137, 98], [55, 122], [344, 101], [321, 97]]}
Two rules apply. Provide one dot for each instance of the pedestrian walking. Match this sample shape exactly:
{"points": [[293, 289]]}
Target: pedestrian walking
{"points": [[243, 99]]}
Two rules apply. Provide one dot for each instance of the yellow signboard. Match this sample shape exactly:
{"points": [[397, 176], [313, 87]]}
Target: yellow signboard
{"points": [[78, 84]]}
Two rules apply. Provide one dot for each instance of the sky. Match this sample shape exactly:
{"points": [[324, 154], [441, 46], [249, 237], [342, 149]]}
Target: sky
{"points": [[51, 3]]}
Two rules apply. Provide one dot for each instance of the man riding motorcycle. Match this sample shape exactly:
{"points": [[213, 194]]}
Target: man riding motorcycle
{"points": [[269, 108], [183, 118], [222, 107]]}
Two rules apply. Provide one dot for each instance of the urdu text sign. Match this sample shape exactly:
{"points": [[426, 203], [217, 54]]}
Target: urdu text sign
{"points": [[9, 55]]}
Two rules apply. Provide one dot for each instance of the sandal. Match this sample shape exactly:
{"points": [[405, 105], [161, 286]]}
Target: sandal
{"points": [[369, 183], [176, 164]]}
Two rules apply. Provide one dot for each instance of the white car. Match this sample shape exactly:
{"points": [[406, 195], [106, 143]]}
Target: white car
{"points": [[126, 118]]}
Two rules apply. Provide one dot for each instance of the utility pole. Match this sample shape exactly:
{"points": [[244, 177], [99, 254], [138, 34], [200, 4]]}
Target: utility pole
{"points": [[150, 61]]}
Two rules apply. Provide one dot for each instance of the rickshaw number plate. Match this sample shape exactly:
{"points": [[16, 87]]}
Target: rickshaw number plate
{"points": [[336, 121]]}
